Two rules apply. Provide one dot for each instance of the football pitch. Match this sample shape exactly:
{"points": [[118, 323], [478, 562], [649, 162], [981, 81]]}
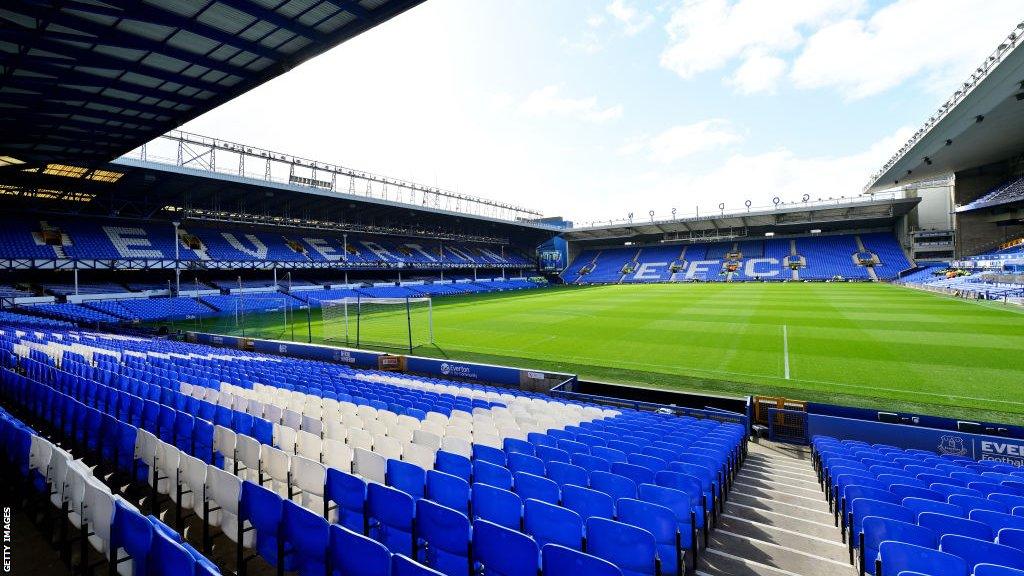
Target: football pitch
{"points": [[871, 345]]}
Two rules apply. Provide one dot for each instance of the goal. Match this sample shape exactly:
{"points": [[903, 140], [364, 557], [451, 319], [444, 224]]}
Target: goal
{"points": [[405, 323]]}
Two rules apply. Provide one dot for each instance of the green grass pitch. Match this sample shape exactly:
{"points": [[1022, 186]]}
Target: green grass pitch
{"points": [[872, 345]]}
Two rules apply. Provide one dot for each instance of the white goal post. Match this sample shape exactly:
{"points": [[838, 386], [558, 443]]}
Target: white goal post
{"points": [[405, 323]]}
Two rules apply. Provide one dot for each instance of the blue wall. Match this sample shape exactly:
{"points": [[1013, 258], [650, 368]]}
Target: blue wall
{"points": [[977, 446]]}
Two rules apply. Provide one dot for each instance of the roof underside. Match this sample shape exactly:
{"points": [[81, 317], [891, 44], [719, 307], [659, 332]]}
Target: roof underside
{"points": [[985, 126], [139, 189], [86, 81], [789, 220]]}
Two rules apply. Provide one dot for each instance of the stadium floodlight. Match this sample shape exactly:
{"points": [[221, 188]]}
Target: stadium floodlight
{"points": [[769, 234], [627, 243], [816, 231]]}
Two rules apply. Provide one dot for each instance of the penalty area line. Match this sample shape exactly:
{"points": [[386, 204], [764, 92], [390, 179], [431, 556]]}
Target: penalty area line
{"points": [[785, 351]]}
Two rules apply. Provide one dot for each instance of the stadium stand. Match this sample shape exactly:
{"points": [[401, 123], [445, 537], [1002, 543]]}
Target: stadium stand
{"points": [[90, 239], [822, 257], [908, 510], [305, 454]]}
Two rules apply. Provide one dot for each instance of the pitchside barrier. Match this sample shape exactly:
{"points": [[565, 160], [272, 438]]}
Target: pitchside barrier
{"points": [[559, 385]]}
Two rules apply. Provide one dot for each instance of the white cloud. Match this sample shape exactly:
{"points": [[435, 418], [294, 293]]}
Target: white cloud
{"points": [[940, 41], [588, 43], [758, 73], [549, 101], [755, 177], [684, 140], [706, 35], [595, 20], [633, 21]]}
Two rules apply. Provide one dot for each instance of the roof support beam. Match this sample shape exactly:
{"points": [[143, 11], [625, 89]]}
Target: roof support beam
{"points": [[109, 35], [157, 16]]}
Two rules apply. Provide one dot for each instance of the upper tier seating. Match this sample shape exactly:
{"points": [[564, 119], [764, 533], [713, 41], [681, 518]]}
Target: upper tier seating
{"points": [[915, 510], [104, 239], [307, 452], [1012, 191]]}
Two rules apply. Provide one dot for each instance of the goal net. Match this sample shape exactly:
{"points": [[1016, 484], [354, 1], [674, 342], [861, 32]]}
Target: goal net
{"points": [[405, 323]]}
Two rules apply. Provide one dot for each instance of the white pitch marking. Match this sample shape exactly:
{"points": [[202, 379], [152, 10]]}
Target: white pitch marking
{"points": [[785, 349]]}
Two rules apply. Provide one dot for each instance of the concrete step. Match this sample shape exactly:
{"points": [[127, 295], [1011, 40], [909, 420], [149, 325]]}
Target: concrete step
{"points": [[811, 527], [803, 500], [780, 556], [827, 546]]}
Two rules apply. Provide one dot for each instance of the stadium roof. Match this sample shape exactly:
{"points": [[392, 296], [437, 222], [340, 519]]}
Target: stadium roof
{"points": [[841, 214], [982, 123], [85, 81]]}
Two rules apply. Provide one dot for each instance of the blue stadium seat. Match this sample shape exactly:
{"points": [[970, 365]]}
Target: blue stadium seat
{"points": [[407, 477], [443, 537], [919, 505], [389, 518], [975, 551], [346, 495], [453, 464], [492, 475], [897, 557], [495, 505], [942, 524], [876, 530], [634, 550], [996, 570], [306, 538], [563, 474], [1012, 537], [613, 485], [500, 551], [448, 490], [132, 532], [557, 559], [548, 523], [661, 523], [536, 487], [352, 554], [263, 509]]}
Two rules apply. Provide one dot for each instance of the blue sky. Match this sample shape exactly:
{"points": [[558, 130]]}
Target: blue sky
{"points": [[592, 110]]}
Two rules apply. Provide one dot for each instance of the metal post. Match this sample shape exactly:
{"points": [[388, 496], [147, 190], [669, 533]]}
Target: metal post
{"points": [[474, 274], [408, 321], [344, 252], [399, 276], [442, 275], [359, 314], [76, 279], [346, 278], [275, 276], [177, 259]]}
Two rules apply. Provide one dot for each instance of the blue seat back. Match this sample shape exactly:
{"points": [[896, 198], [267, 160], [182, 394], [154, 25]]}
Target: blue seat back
{"points": [[306, 538], [442, 538], [407, 477], [536, 487], [588, 503], [502, 551], [352, 554], [897, 557], [943, 524], [634, 550], [661, 523], [448, 490], [389, 518], [348, 492], [561, 560], [495, 505], [548, 523], [975, 551]]}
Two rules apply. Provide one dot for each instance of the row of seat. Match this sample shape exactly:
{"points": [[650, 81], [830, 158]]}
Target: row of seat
{"points": [[887, 498]]}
